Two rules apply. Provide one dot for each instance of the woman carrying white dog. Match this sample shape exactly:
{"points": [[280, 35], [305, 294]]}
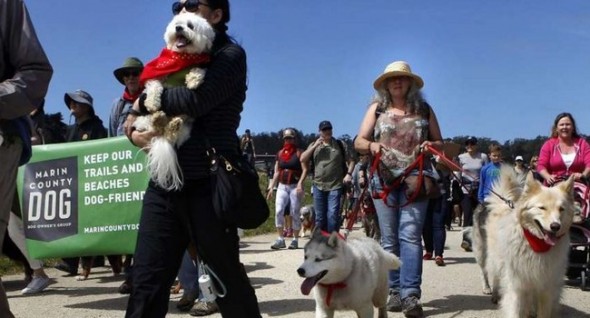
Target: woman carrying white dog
{"points": [[397, 123], [163, 233]]}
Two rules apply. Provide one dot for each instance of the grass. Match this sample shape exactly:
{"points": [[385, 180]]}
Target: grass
{"points": [[9, 267]]}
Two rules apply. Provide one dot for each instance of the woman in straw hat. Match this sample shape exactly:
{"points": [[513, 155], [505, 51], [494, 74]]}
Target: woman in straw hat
{"points": [[396, 124]]}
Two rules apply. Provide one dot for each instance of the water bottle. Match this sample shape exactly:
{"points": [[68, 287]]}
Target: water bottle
{"points": [[207, 288]]}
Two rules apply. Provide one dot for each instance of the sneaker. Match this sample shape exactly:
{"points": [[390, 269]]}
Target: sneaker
{"points": [[466, 246], [187, 301], [66, 268], [294, 245], [427, 256], [439, 261], [278, 244], [394, 301], [202, 308], [412, 307], [37, 285]]}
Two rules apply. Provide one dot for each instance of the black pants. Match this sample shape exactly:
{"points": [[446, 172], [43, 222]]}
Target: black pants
{"points": [[162, 239], [468, 204]]}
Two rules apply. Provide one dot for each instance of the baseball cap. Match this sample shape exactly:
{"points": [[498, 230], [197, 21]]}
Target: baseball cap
{"points": [[518, 158], [78, 96], [471, 140], [325, 125]]}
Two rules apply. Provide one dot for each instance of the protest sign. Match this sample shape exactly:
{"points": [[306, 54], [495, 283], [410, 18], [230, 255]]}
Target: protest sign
{"points": [[82, 198]]}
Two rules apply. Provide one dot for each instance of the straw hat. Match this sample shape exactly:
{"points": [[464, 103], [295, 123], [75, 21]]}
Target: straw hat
{"points": [[131, 63], [397, 68]]}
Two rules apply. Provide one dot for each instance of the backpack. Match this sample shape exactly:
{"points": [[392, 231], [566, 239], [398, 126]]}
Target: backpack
{"points": [[344, 166]]}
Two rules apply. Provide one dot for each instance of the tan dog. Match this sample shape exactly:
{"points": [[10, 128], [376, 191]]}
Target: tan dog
{"points": [[525, 247]]}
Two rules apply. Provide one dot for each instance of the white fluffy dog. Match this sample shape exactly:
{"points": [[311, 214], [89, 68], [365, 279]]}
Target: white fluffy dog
{"points": [[346, 274], [525, 247], [187, 36]]}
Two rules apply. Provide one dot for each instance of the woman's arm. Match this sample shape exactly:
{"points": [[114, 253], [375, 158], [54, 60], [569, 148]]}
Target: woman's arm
{"points": [[225, 76], [275, 178], [364, 139], [434, 134]]}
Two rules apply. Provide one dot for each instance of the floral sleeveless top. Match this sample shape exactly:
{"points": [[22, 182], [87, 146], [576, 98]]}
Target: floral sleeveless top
{"points": [[403, 135]]}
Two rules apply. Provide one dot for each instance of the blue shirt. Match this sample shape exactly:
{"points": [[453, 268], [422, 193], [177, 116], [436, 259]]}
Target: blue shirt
{"points": [[489, 173]]}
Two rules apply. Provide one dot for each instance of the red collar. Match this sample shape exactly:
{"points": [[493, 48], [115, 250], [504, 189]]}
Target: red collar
{"points": [[331, 288], [327, 234], [537, 245]]}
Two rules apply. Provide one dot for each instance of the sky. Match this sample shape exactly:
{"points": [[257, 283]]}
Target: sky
{"points": [[492, 68]]}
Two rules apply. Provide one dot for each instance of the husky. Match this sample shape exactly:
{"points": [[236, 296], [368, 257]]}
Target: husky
{"points": [[521, 239], [346, 274]]}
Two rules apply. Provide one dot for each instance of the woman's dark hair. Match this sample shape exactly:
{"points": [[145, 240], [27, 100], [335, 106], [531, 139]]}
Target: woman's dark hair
{"points": [[560, 117], [224, 6]]}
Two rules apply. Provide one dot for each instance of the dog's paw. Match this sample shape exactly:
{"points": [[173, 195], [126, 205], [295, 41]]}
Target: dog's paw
{"points": [[81, 278], [195, 77], [487, 291], [153, 91]]}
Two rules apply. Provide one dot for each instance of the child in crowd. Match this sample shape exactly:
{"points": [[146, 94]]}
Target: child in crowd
{"points": [[490, 172]]}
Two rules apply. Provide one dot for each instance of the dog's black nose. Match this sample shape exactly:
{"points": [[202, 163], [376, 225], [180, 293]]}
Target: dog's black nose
{"points": [[301, 272], [555, 226], [178, 28]]}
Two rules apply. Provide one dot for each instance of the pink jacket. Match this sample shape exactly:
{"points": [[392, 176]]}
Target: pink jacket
{"points": [[550, 157]]}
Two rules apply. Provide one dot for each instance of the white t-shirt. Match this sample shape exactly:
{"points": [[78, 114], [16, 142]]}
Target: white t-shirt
{"points": [[568, 159]]}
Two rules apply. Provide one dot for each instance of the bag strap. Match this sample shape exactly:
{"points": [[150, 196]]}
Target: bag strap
{"points": [[417, 163]]}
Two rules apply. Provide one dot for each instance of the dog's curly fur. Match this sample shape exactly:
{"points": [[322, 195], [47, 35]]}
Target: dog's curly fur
{"points": [[189, 34]]}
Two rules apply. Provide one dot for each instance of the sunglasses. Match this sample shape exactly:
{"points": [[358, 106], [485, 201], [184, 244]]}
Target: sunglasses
{"points": [[189, 5], [131, 73]]}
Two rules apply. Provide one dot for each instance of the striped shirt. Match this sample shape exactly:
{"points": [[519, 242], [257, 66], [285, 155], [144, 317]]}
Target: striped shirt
{"points": [[215, 105]]}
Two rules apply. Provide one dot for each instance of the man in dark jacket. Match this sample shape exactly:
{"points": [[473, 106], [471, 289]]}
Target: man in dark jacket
{"points": [[24, 78]]}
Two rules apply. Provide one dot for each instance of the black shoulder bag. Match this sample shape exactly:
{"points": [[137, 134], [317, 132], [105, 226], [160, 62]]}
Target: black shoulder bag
{"points": [[237, 198]]}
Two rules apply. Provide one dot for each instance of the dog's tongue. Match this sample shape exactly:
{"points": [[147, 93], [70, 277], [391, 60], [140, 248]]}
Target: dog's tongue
{"points": [[181, 41], [550, 238], [307, 285]]}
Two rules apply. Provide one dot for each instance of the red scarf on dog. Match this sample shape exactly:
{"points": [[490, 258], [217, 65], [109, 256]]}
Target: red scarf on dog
{"points": [[332, 287], [537, 245], [169, 62]]}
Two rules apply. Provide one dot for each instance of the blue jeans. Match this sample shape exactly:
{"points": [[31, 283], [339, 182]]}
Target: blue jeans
{"points": [[188, 275], [327, 209], [401, 234]]}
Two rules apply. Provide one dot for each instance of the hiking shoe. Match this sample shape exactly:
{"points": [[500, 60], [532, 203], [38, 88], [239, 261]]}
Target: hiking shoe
{"points": [[439, 261], [294, 245], [187, 301], [427, 256], [412, 307], [37, 285], [66, 268], [394, 301], [466, 246], [278, 244], [202, 308]]}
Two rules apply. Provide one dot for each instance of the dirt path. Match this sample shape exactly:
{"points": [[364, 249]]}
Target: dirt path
{"points": [[451, 291]]}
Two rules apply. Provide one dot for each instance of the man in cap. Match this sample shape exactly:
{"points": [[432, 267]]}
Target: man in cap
{"points": [[25, 73], [128, 75], [327, 159]]}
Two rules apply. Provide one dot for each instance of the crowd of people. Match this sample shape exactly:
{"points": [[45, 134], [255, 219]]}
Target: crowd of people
{"points": [[398, 130]]}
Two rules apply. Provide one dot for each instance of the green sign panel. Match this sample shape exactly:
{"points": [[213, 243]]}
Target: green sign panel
{"points": [[82, 198]]}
